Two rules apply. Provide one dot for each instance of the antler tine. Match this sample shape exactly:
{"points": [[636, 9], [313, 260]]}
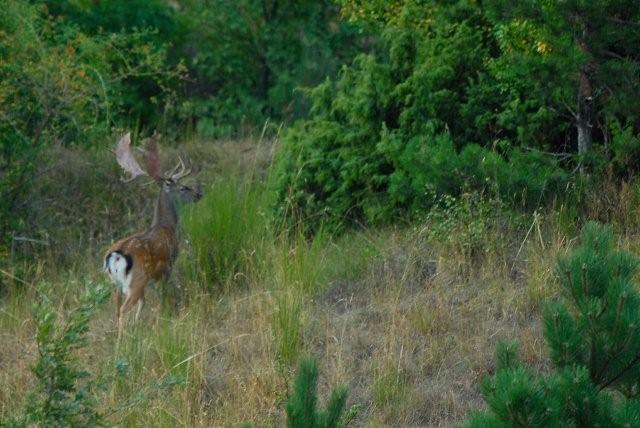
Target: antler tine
{"points": [[126, 160], [173, 171], [175, 176]]}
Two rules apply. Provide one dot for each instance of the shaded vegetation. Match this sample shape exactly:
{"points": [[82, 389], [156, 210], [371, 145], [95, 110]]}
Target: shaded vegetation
{"points": [[466, 96]]}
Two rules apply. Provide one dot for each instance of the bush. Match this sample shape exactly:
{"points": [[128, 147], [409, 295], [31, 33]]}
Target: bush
{"points": [[64, 393], [247, 59], [593, 342], [390, 132], [147, 29], [58, 86], [323, 176]]}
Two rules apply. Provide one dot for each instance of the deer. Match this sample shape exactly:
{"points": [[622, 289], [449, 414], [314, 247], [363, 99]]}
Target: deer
{"points": [[132, 263]]}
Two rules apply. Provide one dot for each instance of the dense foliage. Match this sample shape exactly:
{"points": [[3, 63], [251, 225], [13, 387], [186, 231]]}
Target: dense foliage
{"points": [[244, 60], [497, 96], [247, 59], [594, 344], [510, 98]]}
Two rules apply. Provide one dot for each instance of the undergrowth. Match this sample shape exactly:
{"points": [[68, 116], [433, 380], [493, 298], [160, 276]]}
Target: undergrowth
{"points": [[401, 315]]}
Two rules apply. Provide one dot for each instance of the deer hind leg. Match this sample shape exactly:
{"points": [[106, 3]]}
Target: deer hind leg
{"points": [[117, 297], [133, 296]]}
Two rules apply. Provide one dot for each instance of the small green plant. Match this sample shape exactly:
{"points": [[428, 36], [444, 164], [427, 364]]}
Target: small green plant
{"points": [[302, 411], [463, 224], [63, 395], [594, 343], [302, 406], [66, 393], [390, 388]]}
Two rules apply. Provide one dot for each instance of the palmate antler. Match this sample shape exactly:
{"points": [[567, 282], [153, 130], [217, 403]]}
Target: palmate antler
{"points": [[128, 162]]}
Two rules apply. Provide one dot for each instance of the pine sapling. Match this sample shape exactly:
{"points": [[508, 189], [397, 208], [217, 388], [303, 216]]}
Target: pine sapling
{"points": [[302, 409], [597, 323], [593, 341]]}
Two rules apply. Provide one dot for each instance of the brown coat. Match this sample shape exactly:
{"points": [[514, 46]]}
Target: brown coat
{"points": [[153, 251]]}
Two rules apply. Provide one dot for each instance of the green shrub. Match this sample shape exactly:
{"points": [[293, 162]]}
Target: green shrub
{"points": [[149, 28], [594, 344], [59, 85], [64, 394], [247, 59], [595, 325], [324, 176], [389, 132], [625, 146]]}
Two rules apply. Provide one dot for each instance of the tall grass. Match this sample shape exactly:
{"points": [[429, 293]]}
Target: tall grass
{"points": [[228, 231], [288, 327], [299, 263]]}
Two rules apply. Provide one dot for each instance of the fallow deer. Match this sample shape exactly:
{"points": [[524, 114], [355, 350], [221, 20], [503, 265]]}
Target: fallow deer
{"points": [[137, 260]]}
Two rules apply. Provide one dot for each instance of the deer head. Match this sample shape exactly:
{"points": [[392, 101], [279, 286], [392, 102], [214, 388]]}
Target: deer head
{"points": [[170, 181]]}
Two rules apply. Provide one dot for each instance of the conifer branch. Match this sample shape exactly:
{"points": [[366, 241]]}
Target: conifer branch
{"points": [[628, 367], [617, 352]]}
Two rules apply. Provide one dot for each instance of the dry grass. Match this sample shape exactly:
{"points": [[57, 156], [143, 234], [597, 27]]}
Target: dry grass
{"points": [[407, 321]]}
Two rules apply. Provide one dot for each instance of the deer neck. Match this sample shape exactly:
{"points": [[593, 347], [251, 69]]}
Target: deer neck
{"points": [[165, 214]]}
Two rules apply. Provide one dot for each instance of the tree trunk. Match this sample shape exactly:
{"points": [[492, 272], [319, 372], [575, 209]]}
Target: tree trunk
{"points": [[584, 117], [584, 112]]}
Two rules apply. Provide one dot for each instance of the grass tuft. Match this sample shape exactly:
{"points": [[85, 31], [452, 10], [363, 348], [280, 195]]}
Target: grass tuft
{"points": [[228, 232]]}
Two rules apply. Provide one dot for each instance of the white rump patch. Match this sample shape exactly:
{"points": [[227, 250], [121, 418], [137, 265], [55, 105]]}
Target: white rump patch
{"points": [[115, 265]]}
